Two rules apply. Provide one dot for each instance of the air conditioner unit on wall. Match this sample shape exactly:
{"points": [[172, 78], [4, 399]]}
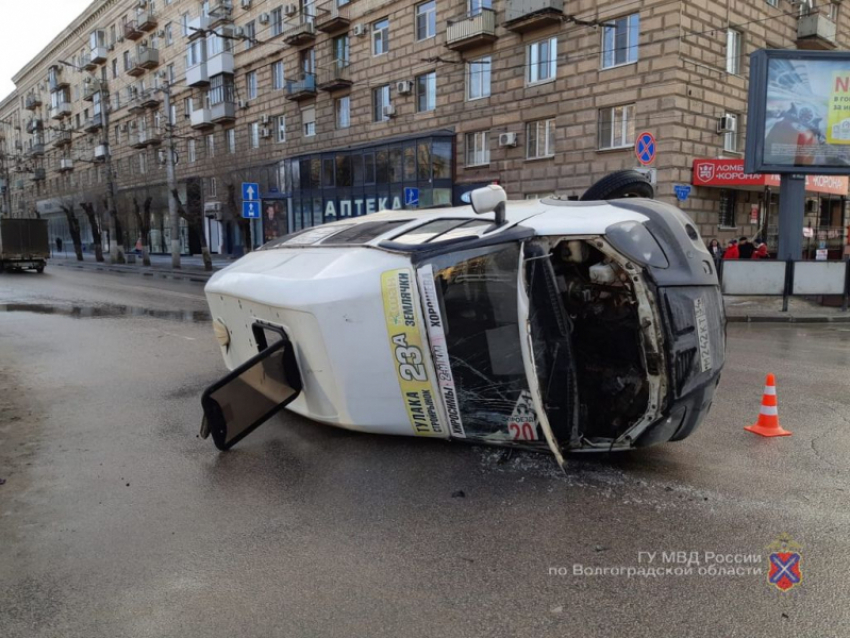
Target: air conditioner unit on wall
{"points": [[404, 87], [212, 209], [246, 4], [266, 132], [507, 139], [264, 18], [727, 124], [389, 111], [265, 119], [359, 29], [243, 104]]}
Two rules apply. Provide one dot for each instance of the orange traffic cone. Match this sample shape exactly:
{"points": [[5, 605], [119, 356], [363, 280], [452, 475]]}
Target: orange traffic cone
{"points": [[768, 423]]}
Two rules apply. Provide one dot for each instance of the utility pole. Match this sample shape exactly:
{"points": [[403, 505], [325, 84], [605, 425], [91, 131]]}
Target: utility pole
{"points": [[172, 180], [116, 252]]}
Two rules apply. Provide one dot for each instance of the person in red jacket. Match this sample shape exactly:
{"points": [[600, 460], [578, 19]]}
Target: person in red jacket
{"points": [[732, 250], [761, 252]]}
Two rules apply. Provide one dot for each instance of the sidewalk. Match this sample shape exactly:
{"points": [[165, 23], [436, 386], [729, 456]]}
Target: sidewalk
{"points": [[769, 309], [191, 268]]}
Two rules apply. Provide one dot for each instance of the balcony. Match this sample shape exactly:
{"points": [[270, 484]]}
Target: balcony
{"points": [[32, 102], [332, 18], [38, 174], [197, 75], [149, 137], [223, 112], [137, 140], [335, 78], [35, 125], [525, 15], [198, 27], [815, 31], [93, 124], [36, 149], [56, 80], [201, 119], [66, 164], [220, 11], [471, 30], [146, 20], [18, 184], [86, 63], [132, 30], [60, 111], [298, 34], [220, 63], [149, 99], [90, 89], [147, 58], [61, 138], [98, 54], [302, 89], [100, 152]]}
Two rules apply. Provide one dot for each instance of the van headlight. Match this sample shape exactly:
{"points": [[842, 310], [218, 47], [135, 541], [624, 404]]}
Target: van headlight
{"points": [[634, 241], [222, 334]]}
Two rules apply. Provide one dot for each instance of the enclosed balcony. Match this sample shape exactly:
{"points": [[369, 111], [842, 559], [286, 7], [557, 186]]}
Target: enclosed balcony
{"points": [[132, 30], [471, 30], [147, 58], [90, 89], [36, 148], [99, 54], [201, 119], [33, 101], [302, 33], [331, 18], [60, 111], [100, 152], [66, 164], [223, 112], [197, 27], [220, 11], [56, 79], [61, 138], [38, 174], [150, 137], [815, 31], [146, 20], [34, 125], [337, 77], [220, 63], [525, 15], [302, 89], [197, 75], [136, 140], [86, 62], [94, 124]]}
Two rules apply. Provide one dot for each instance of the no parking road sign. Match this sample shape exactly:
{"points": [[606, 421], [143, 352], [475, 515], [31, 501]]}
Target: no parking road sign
{"points": [[645, 148]]}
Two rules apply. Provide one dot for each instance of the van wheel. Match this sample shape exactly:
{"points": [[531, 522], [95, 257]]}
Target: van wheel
{"points": [[618, 185], [39, 269]]}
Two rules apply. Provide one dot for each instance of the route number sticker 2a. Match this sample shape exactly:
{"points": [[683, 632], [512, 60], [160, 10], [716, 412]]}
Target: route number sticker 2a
{"points": [[404, 329]]}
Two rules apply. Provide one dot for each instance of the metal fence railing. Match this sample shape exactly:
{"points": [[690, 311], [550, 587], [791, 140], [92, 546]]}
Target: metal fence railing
{"points": [[786, 279]]}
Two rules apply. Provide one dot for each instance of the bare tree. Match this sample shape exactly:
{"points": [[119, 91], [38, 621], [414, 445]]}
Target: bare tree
{"points": [[143, 220], [94, 222], [73, 228], [193, 214], [230, 179]]}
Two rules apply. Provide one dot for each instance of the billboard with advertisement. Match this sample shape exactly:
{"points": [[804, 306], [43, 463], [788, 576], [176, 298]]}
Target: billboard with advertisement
{"points": [[799, 112]]}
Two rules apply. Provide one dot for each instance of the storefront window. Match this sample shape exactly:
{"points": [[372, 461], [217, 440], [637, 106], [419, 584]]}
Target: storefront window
{"points": [[728, 199]]}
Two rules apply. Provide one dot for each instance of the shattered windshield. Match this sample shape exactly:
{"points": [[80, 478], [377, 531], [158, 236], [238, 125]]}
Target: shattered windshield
{"points": [[476, 294]]}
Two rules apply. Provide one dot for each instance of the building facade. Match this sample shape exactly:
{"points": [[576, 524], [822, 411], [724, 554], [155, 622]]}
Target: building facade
{"points": [[344, 107]]}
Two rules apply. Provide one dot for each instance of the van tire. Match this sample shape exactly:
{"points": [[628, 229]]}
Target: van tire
{"points": [[618, 185]]}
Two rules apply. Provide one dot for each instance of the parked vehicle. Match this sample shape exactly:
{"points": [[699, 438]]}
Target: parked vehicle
{"points": [[24, 244], [552, 325]]}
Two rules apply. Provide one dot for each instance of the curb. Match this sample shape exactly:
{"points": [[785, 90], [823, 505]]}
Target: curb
{"points": [[789, 319], [200, 278]]}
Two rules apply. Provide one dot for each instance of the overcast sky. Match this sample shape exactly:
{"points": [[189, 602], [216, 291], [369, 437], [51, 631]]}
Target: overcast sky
{"points": [[28, 27]]}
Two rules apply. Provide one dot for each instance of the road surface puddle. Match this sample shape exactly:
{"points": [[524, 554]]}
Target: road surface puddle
{"points": [[112, 310]]}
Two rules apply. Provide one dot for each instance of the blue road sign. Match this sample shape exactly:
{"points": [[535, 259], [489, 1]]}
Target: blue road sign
{"points": [[411, 197], [250, 192], [645, 148], [683, 191], [251, 210]]}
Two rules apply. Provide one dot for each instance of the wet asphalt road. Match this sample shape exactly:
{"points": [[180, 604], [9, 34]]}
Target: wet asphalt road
{"points": [[117, 521]]}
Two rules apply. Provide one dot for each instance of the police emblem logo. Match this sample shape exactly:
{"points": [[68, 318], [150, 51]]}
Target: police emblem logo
{"points": [[785, 560]]}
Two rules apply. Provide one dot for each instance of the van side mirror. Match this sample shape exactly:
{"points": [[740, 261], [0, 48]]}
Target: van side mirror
{"points": [[490, 199]]}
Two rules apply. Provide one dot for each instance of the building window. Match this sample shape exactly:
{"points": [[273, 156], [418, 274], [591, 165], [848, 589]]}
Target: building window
{"points": [[477, 6], [169, 34], [210, 145], [478, 78], [251, 85], [541, 59], [620, 41], [254, 134], [278, 79], [281, 128], [341, 51], [426, 92], [308, 120], [733, 51], [426, 20], [212, 186], [541, 138], [834, 8], [728, 200], [617, 127], [730, 140], [114, 68], [381, 36], [773, 3], [191, 151], [221, 89], [277, 21], [342, 108], [184, 24], [188, 107], [478, 148], [230, 137], [380, 99], [143, 165], [250, 34], [171, 73]]}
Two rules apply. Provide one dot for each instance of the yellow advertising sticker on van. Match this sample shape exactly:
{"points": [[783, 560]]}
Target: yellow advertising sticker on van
{"points": [[404, 329]]}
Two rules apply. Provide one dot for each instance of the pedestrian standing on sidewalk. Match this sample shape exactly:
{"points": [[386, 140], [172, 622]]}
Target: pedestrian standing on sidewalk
{"points": [[761, 252], [745, 248], [58, 244], [732, 250]]}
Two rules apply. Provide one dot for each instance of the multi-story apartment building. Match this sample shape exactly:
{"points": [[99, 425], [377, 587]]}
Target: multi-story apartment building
{"points": [[337, 106]]}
